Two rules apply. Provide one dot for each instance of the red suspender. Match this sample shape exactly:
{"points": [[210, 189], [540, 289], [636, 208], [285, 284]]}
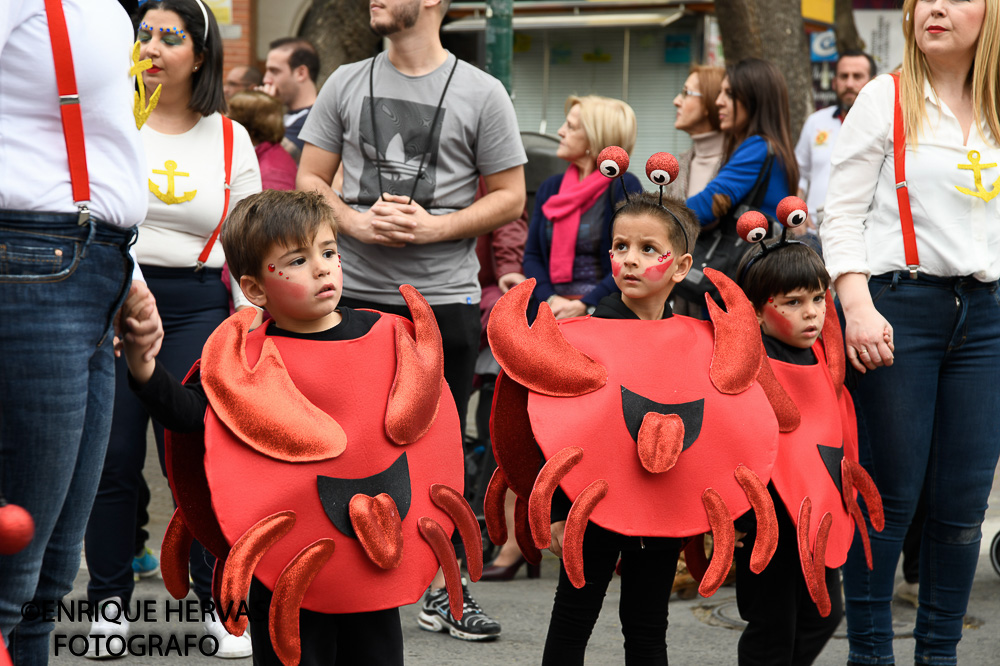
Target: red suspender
{"points": [[227, 141], [902, 192], [69, 106]]}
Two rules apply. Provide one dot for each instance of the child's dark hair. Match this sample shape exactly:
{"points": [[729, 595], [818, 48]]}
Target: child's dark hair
{"points": [[272, 217], [647, 203], [781, 270]]}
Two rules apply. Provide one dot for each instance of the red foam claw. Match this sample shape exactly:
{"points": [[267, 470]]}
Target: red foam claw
{"points": [[493, 508], [792, 211], [724, 541], [662, 168], [833, 345], [752, 226], [540, 502], [612, 161], [738, 351], [175, 551]]}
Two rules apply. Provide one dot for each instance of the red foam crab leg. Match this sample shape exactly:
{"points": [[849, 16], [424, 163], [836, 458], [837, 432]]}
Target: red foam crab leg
{"points": [[174, 555], [292, 584], [439, 542], [576, 525], [451, 502], [851, 473], [540, 502], [767, 523], [243, 559], [218, 572], [724, 537], [493, 507], [813, 563], [522, 533], [694, 557]]}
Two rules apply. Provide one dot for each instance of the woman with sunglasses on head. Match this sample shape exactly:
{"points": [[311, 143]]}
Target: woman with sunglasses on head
{"points": [[189, 151], [911, 238]]}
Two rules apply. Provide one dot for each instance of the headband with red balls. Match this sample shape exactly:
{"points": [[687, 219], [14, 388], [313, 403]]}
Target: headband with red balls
{"points": [[661, 168], [753, 226]]}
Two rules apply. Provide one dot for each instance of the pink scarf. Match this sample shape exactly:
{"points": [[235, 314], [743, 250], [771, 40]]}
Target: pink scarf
{"points": [[564, 209]]}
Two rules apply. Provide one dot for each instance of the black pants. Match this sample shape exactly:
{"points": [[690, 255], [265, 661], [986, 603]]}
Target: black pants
{"points": [[647, 579], [327, 639], [191, 304], [460, 331], [784, 625]]}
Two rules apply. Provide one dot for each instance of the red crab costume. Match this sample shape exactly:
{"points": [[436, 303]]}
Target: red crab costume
{"points": [[816, 472], [332, 471], [672, 434]]}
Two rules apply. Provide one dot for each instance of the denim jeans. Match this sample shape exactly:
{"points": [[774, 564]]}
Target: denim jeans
{"points": [[60, 287], [929, 422]]}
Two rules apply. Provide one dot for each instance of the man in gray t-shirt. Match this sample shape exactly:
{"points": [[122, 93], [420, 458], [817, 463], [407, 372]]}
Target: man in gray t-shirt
{"points": [[418, 127]]}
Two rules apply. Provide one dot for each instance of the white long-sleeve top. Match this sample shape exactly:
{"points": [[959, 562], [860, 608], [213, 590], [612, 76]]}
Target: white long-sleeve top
{"points": [[174, 234], [957, 224]]}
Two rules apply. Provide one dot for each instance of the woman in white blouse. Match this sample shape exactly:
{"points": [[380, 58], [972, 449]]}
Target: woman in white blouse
{"points": [[181, 261], [923, 324]]}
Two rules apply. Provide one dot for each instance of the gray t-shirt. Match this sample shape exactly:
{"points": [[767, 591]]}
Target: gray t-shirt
{"points": [[476, 133]]}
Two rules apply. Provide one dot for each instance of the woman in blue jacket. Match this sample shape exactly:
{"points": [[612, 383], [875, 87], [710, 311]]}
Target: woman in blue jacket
{"points": [[570, 233], [753, 113]]}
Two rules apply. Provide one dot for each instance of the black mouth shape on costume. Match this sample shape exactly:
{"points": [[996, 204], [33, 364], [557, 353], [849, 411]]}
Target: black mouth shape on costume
{"points": [[335, 494], [635, 407], [831, 459]]}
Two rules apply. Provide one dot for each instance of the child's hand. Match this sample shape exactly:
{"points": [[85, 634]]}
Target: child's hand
{"points": [[739, 538], [143, 332], [557, 538]]}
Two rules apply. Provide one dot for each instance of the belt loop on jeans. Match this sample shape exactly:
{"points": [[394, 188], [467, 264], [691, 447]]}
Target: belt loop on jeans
{"points": [[895, 280], [90, 234]]}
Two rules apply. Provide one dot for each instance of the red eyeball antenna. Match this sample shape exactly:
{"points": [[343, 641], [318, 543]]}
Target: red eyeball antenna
{"points": [[662, 169], [752, 227], [792, 212], [612, 162]]}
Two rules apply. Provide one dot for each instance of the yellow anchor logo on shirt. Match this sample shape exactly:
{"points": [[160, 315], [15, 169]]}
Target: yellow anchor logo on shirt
{"points": [[171, 173], [977, 168]]}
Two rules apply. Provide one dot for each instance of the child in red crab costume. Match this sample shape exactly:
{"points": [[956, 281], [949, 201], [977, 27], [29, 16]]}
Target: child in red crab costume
{"points": [[794, 605], [318, 446], [623, 432]]}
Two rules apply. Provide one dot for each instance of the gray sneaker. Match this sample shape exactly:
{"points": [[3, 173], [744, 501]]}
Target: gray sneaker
{"points": [[475, 625]]}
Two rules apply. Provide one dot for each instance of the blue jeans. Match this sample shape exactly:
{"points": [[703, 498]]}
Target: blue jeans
{"points": [[929, 422], [60, 287]]}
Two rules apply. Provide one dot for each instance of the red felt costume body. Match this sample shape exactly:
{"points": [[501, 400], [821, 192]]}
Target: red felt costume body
{"points": [[651, 428], [328, 470]]}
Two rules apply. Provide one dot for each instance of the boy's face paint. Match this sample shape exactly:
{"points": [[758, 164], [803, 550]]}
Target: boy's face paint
{"points": [[795, 317], [303, 285], [642, 257]]}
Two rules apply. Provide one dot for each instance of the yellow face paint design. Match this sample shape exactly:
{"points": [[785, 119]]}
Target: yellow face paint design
{"points": [[140, 109]]}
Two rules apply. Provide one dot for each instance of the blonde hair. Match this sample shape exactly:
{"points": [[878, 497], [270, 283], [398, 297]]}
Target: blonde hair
{"points": [[606, 122], [985, 75]]}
